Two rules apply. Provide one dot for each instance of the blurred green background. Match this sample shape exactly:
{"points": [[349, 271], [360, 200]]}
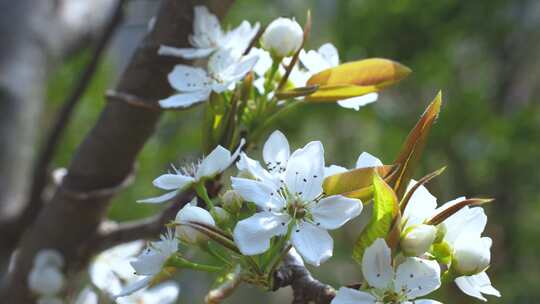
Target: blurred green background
{"points": [[483, 55]]}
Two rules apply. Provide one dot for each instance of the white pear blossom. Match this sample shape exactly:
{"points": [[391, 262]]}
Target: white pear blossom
{"points": [[283, 37], [413, 278], [196, 84], [209, 37], [417, 239], [46, 278], [150, 262], [290, 193], [365, 160], [315, 61], [463, 234], [111, 271], [216, 162], [191, 213]]}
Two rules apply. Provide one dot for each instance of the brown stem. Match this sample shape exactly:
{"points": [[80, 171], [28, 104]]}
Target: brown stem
{"points": [[107, 155]]}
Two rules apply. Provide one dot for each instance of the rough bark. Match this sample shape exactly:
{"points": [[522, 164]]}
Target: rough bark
{"points": [[33, 35], [106, 157]]}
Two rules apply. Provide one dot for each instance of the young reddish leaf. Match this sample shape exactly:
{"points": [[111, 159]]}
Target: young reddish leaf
{"points": [[414, 145], [383, 220], [424, 180], [448, 212]]}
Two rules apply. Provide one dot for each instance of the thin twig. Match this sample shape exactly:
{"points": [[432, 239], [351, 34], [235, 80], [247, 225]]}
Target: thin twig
{"points": [[39, 181]]}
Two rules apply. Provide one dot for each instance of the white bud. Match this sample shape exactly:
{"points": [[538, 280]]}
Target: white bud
{"points": [[48, 257], [46, 281], [192, 213], [417, 239], [282, 37], [232, 201], [471, 255]]}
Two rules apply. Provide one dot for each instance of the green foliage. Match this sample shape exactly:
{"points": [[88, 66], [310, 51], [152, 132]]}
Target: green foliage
{"points": [[385, 211]]}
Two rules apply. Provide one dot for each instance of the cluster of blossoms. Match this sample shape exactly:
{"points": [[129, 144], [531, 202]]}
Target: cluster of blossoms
{"points": [[287, 204]]}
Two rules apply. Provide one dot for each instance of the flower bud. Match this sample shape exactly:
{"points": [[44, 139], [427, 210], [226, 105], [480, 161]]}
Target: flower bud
{"points": [[192, 213], [417, 239], [46, 281], [221, 216], [282, 37], [232, 201], [471, 255]]}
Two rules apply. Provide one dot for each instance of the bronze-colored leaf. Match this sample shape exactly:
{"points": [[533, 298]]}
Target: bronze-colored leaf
{"points": [[414, 145], [448, 212]]}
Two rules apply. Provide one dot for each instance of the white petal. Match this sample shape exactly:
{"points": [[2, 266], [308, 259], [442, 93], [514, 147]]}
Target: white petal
{"points": [[468, 221], [240, 38], [421, 206], [376, 265], [237, 71], [149, 262], [366, 160], [186, 78], [165, 293], [330, 53], [357, 102], [313, 61], [264, 63], [216, 162], [334, 211], [427, 301], [172, 181], [352, 296], [476, 285], [87, 296], [314, 244], [254, 168], [276, 151], [159, 199], [417, 277], [334, 169], [184, 100], [133, 287], [262, 194], [186, 53], [305, 171], [253, 234]]}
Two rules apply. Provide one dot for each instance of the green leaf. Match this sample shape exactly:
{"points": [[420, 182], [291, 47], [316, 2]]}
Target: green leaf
{"points": [[385, 212], [413, 147]]}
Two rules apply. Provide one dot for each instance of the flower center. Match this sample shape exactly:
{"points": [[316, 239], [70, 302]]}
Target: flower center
{"points": [[296, 209]]}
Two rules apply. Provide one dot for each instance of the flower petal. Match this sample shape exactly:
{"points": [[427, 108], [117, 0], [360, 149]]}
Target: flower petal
{"points": [[468, 221], [216, 162], [330, 53], [427, 301], [421, 206], [366, 160], [262, 194], [165, 293], [87, 296], [376, 265], [133, 287], [172, 181], [159, 199], [314, 244], [476, 285], [276, 152], [184, 100], [357, 102], [352, 296], [253, 234], [185, 78], [334, 169], [305, 171], [186, 53], [264, 63], [417, 277], [334, 211]]}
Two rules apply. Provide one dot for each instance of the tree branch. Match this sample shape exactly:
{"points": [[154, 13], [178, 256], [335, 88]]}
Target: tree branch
{"points": [[306, 289], [107, 155]]}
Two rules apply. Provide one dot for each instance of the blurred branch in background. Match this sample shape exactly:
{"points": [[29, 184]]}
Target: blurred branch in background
{"points": [[34, 36]]}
